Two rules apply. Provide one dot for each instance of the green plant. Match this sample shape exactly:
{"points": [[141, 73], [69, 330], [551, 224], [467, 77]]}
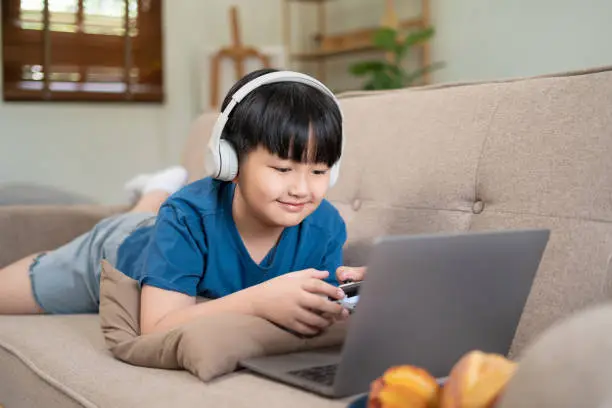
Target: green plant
{"points": [[385, 74]]}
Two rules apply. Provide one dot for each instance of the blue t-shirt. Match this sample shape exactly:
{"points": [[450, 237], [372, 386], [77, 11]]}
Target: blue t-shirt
{"points": [[195, 248]]}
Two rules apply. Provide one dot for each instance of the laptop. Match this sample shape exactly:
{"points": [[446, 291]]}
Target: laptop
{"points": [[426, 301]]}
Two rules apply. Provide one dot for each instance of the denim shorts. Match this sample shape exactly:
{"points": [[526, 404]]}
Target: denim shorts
{"points": [[67, 280]]}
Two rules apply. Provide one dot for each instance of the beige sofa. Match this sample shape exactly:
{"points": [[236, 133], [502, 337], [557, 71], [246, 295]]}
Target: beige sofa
{"points": [[510, 154]]}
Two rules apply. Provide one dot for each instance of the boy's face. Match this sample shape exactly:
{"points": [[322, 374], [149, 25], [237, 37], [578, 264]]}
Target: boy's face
{"points": [[281, 193]]}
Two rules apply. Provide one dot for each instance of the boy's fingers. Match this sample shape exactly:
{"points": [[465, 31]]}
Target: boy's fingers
{"points": [[328, 316], [313, 320], [322, 305], [303, 329], [320, 287], [347, 272], [314, 273], [343, 315]]}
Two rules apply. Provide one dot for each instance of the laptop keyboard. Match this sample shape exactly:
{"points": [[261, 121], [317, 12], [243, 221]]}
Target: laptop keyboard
{"points": [[321, 374]]}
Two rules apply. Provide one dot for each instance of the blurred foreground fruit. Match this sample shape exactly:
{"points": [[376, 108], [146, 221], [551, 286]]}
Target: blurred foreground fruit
{"points": [[476, 381], [404, 386]]}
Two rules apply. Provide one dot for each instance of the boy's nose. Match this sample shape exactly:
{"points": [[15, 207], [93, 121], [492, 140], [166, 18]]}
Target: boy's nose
{"points": [[299, 187]]}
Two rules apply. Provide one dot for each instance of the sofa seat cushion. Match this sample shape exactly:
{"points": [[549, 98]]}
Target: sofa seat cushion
{"points": [[62, 361]]}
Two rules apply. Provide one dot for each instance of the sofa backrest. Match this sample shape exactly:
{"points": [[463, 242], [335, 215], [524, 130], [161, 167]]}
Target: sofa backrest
{"points": [[523, 153]]}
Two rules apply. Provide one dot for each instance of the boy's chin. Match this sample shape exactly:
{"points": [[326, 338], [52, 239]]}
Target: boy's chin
{"points": [[286, 220]]}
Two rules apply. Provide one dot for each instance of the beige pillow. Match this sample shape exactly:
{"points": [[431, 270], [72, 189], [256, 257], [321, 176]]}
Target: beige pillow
{"points": [[207, 347]]}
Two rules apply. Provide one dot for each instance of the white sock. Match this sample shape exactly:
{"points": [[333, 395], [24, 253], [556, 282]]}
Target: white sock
{"points": [[135, 186], [169, 180]]}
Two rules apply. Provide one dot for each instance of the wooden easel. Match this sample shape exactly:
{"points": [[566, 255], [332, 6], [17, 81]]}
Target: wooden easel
{"points": [[236, 52], [390, 20]]}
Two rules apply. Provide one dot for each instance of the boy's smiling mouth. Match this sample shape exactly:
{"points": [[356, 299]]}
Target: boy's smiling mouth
{"points": [[291, 206]]}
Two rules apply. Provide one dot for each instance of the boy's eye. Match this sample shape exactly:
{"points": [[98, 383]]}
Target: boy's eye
{"points": [[282, 169], [319, 172]]}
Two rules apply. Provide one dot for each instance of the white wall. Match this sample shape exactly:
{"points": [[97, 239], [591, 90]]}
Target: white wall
{"points": [[484, 39], [93, 148]]}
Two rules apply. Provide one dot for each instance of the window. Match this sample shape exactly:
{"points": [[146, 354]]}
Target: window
{"points": [[82, 50]]}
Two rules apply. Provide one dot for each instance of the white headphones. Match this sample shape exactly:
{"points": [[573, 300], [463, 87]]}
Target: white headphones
{"points": [[221, 158]]}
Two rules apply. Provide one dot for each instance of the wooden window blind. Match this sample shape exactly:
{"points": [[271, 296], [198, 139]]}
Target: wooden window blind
{"points": [[82, 50]]}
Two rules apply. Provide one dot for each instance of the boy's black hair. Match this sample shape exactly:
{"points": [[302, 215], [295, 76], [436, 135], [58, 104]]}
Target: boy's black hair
{"points": [[279, 117]]}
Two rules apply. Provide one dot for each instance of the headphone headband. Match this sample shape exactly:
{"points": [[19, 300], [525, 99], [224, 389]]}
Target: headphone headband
{"points": [[222, 163]]}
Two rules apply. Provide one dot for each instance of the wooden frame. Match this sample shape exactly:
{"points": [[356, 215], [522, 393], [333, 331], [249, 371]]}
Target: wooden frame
{"points": [[138, 56]]}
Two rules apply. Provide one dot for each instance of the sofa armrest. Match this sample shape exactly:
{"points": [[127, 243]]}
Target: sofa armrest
{"points": [[25, 230]]}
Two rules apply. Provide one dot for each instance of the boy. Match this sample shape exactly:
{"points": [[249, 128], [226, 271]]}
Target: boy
{"points": [[263, 243]]}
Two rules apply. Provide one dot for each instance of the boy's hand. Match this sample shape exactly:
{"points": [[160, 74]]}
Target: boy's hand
{"points": [[355, 274], [298, 301]]}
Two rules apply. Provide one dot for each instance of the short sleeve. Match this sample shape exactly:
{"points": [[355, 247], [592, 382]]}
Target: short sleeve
{"points": [[176, 253], [333, 258]]}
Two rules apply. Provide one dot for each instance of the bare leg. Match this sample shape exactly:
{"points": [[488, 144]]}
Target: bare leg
{"points": [[150, 202], [16, 295]]}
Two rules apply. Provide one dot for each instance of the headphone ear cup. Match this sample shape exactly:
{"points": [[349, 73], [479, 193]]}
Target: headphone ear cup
{"points": [[228, 161], [333, 175], [211, 162]]}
